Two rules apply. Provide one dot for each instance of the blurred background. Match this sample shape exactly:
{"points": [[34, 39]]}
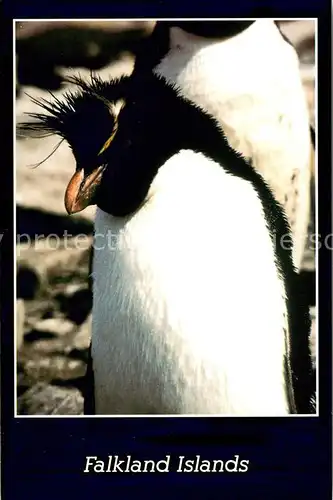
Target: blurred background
{"points": [[53, 296]]}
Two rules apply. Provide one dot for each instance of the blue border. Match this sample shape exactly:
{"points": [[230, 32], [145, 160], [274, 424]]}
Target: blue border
{"points": [[289, 458], [164, 8]]}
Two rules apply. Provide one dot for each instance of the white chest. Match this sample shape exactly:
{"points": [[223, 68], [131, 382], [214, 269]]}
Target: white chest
{"points": [[188, 310]]}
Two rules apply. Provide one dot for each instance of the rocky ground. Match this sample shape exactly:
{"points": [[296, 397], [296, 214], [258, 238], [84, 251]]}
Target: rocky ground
{"points": [[53, 297]]}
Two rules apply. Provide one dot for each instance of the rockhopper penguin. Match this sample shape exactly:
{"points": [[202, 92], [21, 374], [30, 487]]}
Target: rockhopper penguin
{"points": [[196, 307]]}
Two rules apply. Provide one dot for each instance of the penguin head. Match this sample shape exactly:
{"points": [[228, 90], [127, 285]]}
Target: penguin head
{"points": [[87, 119], [120, 132], [211, 29]]}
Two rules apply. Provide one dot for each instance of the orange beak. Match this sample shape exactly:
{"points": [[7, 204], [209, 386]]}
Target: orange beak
{"points": [[81, 190]]}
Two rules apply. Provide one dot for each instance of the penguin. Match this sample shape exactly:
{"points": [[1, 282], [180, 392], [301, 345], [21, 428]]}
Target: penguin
{"points": [[246, 75], [196, 306]]}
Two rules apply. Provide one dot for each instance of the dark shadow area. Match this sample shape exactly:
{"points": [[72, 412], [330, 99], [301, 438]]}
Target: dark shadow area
{"points": [[31, 222], [308, 286], [77, 306], [306, 46], [35, 335], [27, 283], [39, 55]]}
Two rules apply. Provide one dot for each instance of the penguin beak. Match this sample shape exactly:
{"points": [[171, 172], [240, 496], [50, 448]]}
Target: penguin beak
{"points": [[81, 189]]}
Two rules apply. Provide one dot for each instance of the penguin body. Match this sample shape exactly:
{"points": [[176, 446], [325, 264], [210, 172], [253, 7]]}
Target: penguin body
{"points": [[190, 296], [245, 75], [195, 301]]}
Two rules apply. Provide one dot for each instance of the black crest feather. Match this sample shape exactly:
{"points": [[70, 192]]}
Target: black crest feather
{"points": [[62, 113], [73, 116]]}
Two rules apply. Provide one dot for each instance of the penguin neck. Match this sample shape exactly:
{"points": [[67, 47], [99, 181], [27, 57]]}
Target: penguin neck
{"points": [[161, 124]]}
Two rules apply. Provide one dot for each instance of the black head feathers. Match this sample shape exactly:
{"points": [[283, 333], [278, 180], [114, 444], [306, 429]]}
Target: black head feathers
{"points": [[122, 146], [211, 29], [86, 118]]}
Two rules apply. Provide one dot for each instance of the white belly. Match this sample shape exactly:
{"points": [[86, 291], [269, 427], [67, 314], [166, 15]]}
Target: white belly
{"points": [[188, 310], [251, 84]]}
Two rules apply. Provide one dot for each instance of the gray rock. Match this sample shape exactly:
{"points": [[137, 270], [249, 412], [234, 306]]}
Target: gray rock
{"points": [[82, 339], [44, 399], [56, 326], [55, 367], [46, 347], [57, 261]]}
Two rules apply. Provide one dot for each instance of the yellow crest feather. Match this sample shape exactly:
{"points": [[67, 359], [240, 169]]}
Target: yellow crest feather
{"points": [[115, 110]]}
